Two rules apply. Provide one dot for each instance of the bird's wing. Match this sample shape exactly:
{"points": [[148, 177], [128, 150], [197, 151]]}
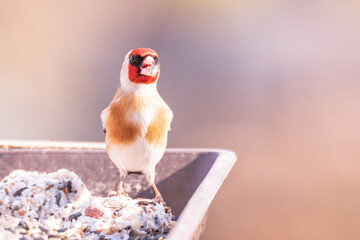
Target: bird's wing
{"points": [[104, 115], [167, 114], [105, 112], [117, 94]]}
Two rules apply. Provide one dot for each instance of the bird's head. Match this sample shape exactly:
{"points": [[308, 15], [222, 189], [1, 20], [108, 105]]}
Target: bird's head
{"points": [[140, 67]]}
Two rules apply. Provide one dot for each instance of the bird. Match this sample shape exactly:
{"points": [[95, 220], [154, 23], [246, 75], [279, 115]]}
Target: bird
{"points": [[137, 121]]}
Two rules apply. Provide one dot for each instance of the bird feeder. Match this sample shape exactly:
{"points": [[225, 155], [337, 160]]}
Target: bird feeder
{"points": [[187, 178]]}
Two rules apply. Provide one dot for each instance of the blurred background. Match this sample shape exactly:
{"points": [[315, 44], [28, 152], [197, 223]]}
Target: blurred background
{"points": [[276, 81]]}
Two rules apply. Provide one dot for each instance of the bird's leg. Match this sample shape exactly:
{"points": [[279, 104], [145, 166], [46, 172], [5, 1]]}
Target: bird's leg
{"points": [[120, 191], [158, 197], [150, 177]]}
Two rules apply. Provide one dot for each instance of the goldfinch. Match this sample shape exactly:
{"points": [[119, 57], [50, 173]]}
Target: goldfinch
{"points": [[137, 121]]}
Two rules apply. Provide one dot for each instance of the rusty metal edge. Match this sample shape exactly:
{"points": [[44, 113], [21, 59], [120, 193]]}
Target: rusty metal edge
{"points": [[197, 207], [200, 228]]}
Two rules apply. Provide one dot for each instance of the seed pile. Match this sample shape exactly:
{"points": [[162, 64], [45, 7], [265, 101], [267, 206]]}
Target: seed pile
{"points": [[13, 228], [58, 206]]}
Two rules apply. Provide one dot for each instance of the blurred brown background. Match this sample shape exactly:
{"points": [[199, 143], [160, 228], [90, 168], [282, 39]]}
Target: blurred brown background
{"points": [[276, 81]]}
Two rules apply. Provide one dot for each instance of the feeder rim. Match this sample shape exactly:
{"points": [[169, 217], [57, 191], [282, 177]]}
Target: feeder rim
{"points": [[68, 145]]}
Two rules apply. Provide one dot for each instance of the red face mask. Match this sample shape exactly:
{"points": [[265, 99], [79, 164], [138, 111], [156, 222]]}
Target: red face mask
{"points": [[136, 59]]}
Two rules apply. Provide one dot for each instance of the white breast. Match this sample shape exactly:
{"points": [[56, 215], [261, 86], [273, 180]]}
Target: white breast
{"points": [[144, 118], [139, 156]]}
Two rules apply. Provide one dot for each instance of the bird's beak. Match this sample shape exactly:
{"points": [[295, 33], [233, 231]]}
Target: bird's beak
{"points": [[148, 67]]}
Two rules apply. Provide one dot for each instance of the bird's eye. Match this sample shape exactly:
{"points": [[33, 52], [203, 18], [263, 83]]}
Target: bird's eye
{"points": [[156, 59], [132, 58], [135, 60]]}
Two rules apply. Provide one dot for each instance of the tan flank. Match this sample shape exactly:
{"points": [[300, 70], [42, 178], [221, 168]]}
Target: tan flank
{"points": [[120, 128], [157, 131]]}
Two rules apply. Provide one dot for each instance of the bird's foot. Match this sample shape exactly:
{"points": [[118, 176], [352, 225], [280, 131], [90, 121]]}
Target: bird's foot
{"points": [[113, 194], [159, 199], [118, 194]]}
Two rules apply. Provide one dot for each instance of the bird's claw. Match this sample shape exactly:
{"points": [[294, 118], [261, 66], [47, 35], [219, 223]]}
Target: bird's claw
{"points": [[159, 199], [113, 194], [118, 194]]}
